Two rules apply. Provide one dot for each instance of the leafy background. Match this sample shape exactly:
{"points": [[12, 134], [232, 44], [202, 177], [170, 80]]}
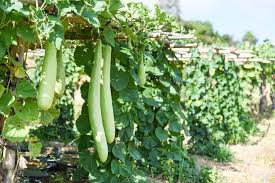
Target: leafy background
{"points": [[195, 107]]}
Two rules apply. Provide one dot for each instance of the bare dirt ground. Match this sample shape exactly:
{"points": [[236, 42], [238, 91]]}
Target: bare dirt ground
{"points": [[253, 162]]}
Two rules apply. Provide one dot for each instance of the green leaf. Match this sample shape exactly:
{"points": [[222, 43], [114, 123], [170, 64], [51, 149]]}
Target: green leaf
{"points": [[79, 174], [129, 95], [19, 72], [25, 89], [115, 5], [2, 90], [133, 151], [174, 155], [172, 90], [34, 149], [122, 121], [119, 79], [150, 116], [84, 93], [46, 117], [161, 134], [162, 117], [83, 56], [114, 179], [91, 17], [14, 6], [119, 168], [127, 52], [27, 111], [115, 167], [150, 142], [109, 35], [15, 130], [26, 32], [7, 37], [152, 97], [99, 176], [139, 177], [154, 70], [119, 151], [6, 102], [84, 142], [83, 123], [88, 161], [2, 50], [175, 125], [99, 6], [57, 34]]}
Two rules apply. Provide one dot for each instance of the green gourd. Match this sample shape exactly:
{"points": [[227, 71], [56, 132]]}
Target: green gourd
{"points": [[106, 96], [61, 77], [48, 78], [94, 106]]}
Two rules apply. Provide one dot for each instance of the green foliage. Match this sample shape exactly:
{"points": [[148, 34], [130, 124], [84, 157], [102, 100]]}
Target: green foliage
{"points": [[213, 101], [205, 32], [152, 121], [34, 148], [208, 175], [140, 140], [250, 38]]}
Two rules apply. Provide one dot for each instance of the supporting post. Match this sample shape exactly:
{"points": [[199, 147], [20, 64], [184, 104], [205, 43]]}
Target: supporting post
{"points": [[9, 163]]}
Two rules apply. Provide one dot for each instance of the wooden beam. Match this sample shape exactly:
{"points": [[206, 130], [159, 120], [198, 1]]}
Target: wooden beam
{"points": [[188, 45]]}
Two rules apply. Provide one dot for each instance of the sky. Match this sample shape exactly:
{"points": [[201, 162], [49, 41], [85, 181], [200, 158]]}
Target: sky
{"points": [[233, 17]]}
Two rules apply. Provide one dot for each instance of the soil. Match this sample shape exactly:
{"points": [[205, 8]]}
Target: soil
{"points": [[253, 162]]}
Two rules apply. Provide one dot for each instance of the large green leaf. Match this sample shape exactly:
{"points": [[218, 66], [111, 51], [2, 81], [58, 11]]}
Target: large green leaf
{"points": [[119, 168], [83, 123], [6, 102], [91, 17], [34, 149], [114, 5], [84, 142], [175, 125], [88, 161], [15, 129], [134, 152], [109, 35], [26, 32], [47, 117], [129, 95], [152, 97], [162, 117], [25, 89], [7, 36], [99, 6], [119, 151], [119, 79], [28, 111], [83, 56], [150, 142], [161, 134], [122, 121]]}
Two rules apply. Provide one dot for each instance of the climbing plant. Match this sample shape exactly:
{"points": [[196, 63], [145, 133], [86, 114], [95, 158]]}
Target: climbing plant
{"points": [[213, 100], [153, 121]]}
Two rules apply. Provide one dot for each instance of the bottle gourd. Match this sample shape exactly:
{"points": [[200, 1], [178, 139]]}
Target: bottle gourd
{"points": [[106, 96], [94, 106], [48, 78]]}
